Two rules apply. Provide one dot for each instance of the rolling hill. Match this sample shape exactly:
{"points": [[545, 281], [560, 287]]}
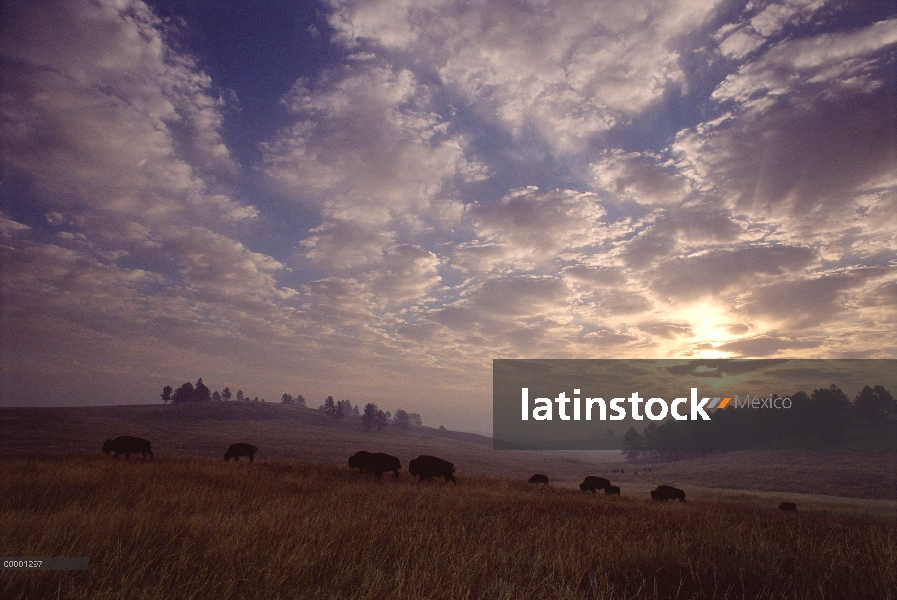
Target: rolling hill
{"points": [[287, 433]]}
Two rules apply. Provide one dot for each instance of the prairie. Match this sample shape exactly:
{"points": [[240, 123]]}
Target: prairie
{"points": [[287, 433], [202, 528], [300, 524]]}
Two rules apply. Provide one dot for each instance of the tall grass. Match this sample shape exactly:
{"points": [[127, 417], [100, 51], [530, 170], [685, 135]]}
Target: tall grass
{"points": [[206, 529]]}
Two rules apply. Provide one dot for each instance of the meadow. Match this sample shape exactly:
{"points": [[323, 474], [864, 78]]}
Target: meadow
{"points": [[202, 528]]}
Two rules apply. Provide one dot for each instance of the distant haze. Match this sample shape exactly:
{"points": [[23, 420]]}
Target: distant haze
{"points": [[373, 200]]}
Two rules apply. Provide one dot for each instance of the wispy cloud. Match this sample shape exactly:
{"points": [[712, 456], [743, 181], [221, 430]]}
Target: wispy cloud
{"points": [[462, 181]]}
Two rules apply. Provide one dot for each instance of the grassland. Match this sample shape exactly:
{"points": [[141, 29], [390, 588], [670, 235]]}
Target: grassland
{"points": [[286, 434], [299, 524], [200, 528]]}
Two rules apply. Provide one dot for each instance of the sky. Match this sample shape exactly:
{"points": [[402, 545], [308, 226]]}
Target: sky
{"points": [[374, 200]]}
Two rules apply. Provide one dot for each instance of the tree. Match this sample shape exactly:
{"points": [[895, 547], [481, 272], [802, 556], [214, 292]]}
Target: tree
{"points": [[287, 399], [256, 399], [339, 412], [415, 419], [830, 407], [300, 401], [873, 404], [183, 394], [356, 412], [216, 396], [226, 395], [373, 417], [240, 396], [329, 407], [201, 393], [166, 393], [633, 444], [401, 419], [345, 406]]}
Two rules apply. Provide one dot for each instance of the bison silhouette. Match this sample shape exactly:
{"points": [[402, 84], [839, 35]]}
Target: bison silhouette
{"points": [[128, 445], [376, 463], [612, 490], [240, 449], [668, 492], [539, 478], [593, 483], [788, 506], [427, 467]]}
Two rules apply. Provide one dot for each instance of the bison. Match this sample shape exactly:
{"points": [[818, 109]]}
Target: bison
{"points": [[128, 445], [427, 467], [240, 449], [612, 490], [539, 478], [668, 492], [592, 483], [788, 506], [377, 463]]}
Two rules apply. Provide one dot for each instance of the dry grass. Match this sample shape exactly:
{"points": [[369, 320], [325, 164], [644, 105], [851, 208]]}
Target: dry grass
{"points": [[197, 528], [285, 433]]}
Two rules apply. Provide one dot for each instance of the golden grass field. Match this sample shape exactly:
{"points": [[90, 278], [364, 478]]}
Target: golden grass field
{"points": [[300, 524], [202, 528]]}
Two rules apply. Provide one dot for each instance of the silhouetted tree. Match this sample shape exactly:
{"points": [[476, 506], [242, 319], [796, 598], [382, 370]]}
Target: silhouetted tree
{"points": [[339, 412], [633, 443], [300, 401], [329, 407], [216, 396], [201, 393], [873, 404], [401, 419], [226, 395], [287, 399], [831, 408], [183, 394], [345, 406], [356, 412], [166, 393], [415, 419], [373, 417], [240, 396]]}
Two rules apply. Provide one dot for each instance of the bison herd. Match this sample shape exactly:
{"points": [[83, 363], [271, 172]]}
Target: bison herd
{"points": [[424, 467]]}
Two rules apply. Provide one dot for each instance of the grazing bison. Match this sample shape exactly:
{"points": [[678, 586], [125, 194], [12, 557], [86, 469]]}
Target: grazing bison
{"points": [[668, 492], [360, 460], [240, 449], [539, 478], [592, 483], [128, 445], [612, 490], [788, 506], [427, 467], [376, 463]]}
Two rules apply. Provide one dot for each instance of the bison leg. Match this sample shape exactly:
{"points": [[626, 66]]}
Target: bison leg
{"points": [[127, 455], [250, 459]]}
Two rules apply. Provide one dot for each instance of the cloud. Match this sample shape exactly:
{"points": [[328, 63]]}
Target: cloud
{"points": [[541, 222], [717, 271], [366, 147], [640, 176], [568, 71], [765, 346]]}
